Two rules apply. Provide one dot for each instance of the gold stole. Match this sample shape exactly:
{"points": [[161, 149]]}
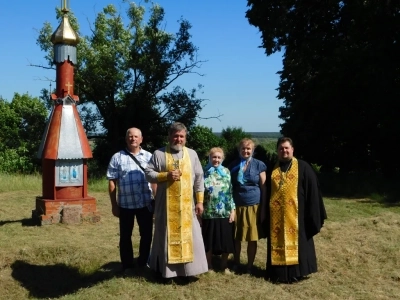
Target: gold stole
{"points": [[179, 210], [284, 215]]}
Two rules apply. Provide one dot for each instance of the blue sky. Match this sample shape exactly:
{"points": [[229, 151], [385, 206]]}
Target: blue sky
{"points": [[239, 80]]}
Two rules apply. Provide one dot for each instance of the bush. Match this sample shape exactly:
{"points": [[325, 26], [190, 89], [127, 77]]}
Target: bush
{"points": [[16, 161], [202, 139]]}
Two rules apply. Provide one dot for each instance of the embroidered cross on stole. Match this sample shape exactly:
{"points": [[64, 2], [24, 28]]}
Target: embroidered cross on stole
{"points": [[179, 210], [284, 221]]}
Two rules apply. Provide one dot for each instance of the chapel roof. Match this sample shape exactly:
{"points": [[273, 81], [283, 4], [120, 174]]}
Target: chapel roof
{"points": [[64, 136], [65, 34]]}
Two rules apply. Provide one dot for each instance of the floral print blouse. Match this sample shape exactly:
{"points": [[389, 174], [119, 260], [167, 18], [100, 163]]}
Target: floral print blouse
{"points": [[218, 200]]}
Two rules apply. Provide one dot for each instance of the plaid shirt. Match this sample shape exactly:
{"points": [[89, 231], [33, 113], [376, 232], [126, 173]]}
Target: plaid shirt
{"points": [[133, 189]]}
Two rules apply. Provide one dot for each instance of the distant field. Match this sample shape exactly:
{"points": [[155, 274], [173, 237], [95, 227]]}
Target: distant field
{"points": [[270, 135], [261, 135], [265, 139]]}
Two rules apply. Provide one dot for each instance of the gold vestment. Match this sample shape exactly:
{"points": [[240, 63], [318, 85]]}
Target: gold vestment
{"points": [[179, 210], [284, 223]]}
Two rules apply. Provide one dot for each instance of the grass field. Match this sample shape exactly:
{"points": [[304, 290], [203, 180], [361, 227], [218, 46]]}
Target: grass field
{"points": [[358, 254]]}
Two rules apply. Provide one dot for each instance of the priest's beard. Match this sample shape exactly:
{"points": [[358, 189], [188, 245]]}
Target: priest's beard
{"points": [[177, 147]]}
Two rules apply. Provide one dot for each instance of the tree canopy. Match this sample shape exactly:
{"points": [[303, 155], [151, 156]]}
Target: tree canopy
{"points": [[126, 73], [202, 139], [232, 137], [22, 122], [340, 78]]}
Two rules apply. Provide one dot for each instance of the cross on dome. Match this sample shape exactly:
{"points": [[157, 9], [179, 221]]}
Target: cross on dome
{"points": [[64, 6]]}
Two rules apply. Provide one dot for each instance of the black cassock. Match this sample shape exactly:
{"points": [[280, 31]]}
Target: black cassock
{"points": [[311, 216]]}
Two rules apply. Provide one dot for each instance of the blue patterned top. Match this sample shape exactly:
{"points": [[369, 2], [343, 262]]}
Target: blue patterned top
{"points": [[218, 200], [133, 189]]}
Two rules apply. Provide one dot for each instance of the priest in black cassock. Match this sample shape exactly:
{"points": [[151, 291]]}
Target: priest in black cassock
{"points": [[295, 214]]}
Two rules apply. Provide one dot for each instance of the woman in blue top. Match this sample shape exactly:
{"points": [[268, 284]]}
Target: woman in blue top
{"points": [[219, 210], [249, 192]]}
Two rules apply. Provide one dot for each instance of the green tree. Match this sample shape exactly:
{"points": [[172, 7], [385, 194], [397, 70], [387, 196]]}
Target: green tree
{"points": [[340, 77], [32, 115], [126, 73], [8, 125], [232, 137], [202, 139], [22, 123]]}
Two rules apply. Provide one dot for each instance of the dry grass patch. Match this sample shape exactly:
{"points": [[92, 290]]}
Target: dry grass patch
{"points": [[358, 253]]}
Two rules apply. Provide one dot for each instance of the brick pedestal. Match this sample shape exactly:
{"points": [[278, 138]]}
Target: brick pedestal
{"points": [[67, 211]]}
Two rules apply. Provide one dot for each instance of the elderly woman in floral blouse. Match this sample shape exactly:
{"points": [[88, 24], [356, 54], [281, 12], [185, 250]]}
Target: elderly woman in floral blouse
{"points": [[219, 210]]}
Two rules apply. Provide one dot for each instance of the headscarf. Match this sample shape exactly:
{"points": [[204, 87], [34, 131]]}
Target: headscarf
{"points": [[211, 169], [240, 167]]}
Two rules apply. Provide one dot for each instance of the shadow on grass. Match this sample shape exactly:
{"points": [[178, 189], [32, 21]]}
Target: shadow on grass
{"points": [[256, 271], [370, 186], [24, 222], [52, 281], [241, 268]]}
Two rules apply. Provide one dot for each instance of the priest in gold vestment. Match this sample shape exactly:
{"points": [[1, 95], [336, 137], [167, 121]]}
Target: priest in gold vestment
{"points": [[295, 214], [178, 248]]}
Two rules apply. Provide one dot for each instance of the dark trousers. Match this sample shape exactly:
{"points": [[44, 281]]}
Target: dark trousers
{"points": [[144, 219]]}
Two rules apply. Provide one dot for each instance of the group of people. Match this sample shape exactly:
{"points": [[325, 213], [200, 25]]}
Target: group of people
{"points": [[200, 212]]}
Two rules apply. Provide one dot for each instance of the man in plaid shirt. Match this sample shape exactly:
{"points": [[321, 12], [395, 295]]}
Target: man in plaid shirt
{"points": [[135, 195]]}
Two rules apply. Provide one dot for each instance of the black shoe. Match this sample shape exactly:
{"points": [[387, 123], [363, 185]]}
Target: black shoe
{"points": [[141, 262], [141, 265], [187, 279], [297, 279], [167, 281], [160, 279]]}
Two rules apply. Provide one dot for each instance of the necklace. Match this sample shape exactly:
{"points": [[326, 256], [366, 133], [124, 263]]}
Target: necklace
{"points": [[283, 179], [175, 164], [175, 160]]}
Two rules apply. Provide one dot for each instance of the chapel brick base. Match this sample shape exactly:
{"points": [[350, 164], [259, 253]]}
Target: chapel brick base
{"points": [[66, 211]]}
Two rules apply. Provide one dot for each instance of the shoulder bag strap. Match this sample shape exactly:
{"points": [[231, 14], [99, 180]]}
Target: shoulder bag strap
{"points": [[134, 159]]}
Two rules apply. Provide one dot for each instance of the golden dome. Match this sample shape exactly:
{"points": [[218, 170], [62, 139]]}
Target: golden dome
{"points": [[65, 34]]}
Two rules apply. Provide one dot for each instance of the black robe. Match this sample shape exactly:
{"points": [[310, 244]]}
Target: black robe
{"points": [[311, 216]]}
